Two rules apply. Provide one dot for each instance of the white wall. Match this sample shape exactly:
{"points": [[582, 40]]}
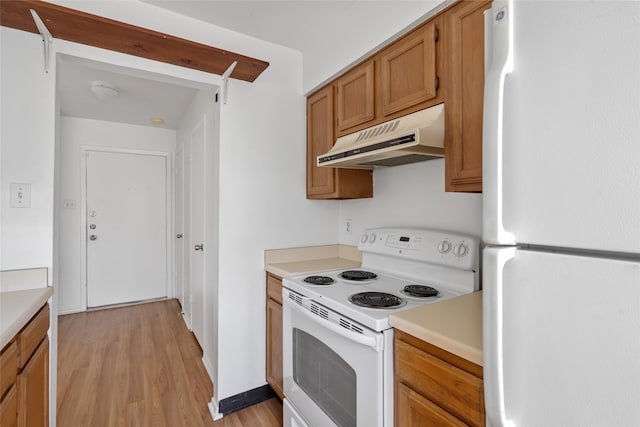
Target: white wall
{"points": [[262, 205], [262, 172], [75, 132], [26, 151], [412, 196]]}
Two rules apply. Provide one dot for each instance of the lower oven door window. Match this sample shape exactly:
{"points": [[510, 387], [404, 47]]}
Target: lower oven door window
{"points": [[325, 377], [333, 375]]}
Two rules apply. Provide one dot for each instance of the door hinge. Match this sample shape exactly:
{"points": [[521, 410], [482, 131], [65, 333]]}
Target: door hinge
{"points": [[436, 35]]}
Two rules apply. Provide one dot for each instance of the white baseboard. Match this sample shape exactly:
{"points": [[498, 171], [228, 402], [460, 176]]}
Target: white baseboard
{"points": [[208, 367], [70, 311], [213, 410], [187, 321]]}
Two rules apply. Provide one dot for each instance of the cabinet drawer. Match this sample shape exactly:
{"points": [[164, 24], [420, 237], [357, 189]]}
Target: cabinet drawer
{"points": [[417, 411], [274, 288], [8, 367], [31, 335], [449, 387], [9, 409]]}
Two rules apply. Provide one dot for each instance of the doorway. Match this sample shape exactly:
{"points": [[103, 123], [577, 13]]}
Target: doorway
{"points": [[127, 226]]}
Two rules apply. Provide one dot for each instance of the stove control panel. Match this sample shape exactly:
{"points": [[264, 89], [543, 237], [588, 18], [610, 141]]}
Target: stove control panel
{"points": [[433, 246]]}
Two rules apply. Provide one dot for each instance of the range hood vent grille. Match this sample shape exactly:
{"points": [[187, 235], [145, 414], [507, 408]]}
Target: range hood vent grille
{"points": [[412, 138], [378, 130]]}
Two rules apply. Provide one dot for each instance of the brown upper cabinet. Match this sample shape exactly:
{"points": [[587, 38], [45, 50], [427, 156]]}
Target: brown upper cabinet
{"points": [[356, 97], [465, 81], [441, 61], [408, 70], [329, 183]]}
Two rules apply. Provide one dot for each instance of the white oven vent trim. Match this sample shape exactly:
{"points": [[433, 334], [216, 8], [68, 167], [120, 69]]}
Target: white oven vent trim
{"points": [[320, 311]]}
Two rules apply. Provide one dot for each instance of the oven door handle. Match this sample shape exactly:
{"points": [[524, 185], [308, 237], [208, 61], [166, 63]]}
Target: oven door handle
{"points": [[344, 332]]}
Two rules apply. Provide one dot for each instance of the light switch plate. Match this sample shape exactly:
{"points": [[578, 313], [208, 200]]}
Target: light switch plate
{"points": [[20, 195]]}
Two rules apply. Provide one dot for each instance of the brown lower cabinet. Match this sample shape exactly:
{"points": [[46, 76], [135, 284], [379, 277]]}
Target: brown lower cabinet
{"points": [[274, 333], [24, 364], [434, 387]]}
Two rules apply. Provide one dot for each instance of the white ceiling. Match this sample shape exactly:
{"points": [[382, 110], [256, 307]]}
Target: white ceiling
{"points": [[315, 28], [304, 25], [140, 98]]}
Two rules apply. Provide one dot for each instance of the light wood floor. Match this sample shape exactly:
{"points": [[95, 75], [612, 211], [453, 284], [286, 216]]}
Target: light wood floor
{"points": [[139, 366]]}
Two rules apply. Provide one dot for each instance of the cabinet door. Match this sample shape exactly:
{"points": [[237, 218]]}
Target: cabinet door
{"points": [[465, 88], [320, 138], [274, 346], [329, 183], [355, 97], [408, 71], [414, 410], [9, 409], [8, 366], [33, 389]]}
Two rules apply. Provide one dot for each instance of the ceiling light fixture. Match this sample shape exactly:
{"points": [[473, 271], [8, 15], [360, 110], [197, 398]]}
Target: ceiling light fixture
{"points": [[157, 121], [104, 90]]}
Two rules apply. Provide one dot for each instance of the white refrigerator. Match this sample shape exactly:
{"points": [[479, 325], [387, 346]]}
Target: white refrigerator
{"points": [[561, 214]]}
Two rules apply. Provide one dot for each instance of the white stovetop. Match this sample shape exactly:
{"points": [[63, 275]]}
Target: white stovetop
{"points": [[336, 297]]}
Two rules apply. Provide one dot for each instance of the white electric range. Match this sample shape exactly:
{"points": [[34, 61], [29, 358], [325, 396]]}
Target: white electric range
{"points": [[338, 344]]}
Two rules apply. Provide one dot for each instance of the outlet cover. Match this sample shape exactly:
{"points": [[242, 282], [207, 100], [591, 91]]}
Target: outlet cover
{"points": [[20, 195]]}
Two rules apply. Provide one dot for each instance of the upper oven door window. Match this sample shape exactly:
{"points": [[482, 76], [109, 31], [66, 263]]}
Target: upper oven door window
{"points": [[333, 375]]}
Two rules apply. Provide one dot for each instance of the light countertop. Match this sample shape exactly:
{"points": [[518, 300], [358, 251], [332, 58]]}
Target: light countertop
{"points": [[307, 260], [17, 308], [454, 325]]}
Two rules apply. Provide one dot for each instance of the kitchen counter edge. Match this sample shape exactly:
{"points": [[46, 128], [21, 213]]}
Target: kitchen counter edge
{"points": [[312, 259], [454, 325], [17, 308]]}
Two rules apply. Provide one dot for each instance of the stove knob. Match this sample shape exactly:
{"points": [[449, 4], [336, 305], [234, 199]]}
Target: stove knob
{"points": [[372, 238], [461, 250], [444, 246], [364, 238]]}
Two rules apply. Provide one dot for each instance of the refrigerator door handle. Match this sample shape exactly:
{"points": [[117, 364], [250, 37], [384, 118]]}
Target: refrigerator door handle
{"points": [[494, 260], [498, 28]]}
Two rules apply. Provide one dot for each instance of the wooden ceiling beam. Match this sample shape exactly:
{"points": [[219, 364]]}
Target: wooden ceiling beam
{"points": [[93, 30]]}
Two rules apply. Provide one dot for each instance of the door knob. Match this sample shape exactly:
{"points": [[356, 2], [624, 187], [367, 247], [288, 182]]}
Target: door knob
{"points": [[93, 237], [179, 236], [199, 247]]}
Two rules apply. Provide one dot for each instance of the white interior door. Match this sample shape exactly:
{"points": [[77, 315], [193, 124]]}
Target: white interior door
{"points": [[197, 230], [126, 208], [186, 239], [180, 208]]}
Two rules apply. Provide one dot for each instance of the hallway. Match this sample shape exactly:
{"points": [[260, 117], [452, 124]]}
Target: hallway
{"points": [[139, 366]]}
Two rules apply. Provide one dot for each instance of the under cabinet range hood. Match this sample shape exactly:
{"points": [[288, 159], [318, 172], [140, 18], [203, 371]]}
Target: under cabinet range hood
{"points": [[412, 138]]}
